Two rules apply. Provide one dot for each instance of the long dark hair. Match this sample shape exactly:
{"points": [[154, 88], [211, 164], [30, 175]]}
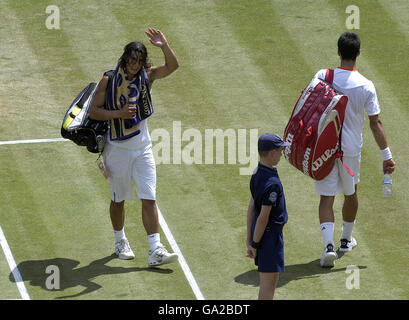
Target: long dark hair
{"points": [[131, 47]]}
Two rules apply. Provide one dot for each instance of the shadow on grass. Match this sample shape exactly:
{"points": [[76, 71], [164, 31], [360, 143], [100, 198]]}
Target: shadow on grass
{"points": [[292, 273], [35, 272]]}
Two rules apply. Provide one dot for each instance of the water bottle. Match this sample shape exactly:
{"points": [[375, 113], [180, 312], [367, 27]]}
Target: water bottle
{"points": [[387, 184]]}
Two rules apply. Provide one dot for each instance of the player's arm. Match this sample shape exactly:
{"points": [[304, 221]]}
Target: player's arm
{"points": [[378, 132], [97, 110], [251, 215], [157, 38]]}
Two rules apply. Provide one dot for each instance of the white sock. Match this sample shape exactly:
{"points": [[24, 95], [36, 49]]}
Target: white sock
{"points": [[327, 229], [119, 235], [347, 228], [154, 240]]}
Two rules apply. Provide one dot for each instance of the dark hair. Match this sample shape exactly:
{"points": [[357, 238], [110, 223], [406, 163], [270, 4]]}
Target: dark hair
{"points": [[349, 45], [135, 46], [264, 153]]}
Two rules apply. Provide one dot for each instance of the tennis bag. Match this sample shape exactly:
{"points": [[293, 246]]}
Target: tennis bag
{"points": [[79, 128], [314, 129]]}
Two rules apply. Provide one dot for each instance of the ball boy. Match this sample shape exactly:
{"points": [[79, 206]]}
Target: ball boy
{"points": [[267, 215]]}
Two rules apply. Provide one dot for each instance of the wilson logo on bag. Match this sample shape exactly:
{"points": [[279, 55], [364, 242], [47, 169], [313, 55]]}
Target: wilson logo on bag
{"points": [[315, 127]]}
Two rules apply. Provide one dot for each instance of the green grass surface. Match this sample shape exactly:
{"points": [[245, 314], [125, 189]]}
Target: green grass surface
{"points": [[242, 66]]}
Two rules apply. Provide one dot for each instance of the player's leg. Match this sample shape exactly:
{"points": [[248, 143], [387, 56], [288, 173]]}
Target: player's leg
{"points": [[326, 216], [328, 188], [150, 222], [120, 186], [268, 283], [157, 254], [117, 214], [349, 212], [350, 207], [325, 209], [150, 217], [144, 175]]}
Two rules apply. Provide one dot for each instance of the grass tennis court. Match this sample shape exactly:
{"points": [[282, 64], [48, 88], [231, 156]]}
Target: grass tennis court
{"points": [[242, 67]]}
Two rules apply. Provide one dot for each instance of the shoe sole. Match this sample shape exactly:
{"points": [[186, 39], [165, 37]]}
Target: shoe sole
{"points": [[345, 249], [171, 259], [123, 257], [328, 260]]}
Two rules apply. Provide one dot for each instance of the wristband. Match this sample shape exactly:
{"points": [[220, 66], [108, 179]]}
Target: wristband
{"points": [[255, 245], [386, 154]]}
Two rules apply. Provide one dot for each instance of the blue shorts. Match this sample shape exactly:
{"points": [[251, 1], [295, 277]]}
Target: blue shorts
{"points": [[270, 254]]}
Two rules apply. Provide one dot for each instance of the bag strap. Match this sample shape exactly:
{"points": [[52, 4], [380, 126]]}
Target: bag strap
{"points": [[340, 154], [329, 76]]}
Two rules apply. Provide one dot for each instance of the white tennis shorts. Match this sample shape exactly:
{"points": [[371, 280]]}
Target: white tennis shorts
{"points": [[339, 180], [127, 165]]}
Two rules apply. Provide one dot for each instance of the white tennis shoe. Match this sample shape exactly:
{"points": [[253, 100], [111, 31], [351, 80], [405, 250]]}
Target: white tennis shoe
{"points": [[328, 257], [347, 245], [123, 250], [161, 256]]}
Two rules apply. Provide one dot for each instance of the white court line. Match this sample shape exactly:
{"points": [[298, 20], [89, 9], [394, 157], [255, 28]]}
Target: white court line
{"points": [[33, 141], [186, 270], [13, 267], [189, 276]]}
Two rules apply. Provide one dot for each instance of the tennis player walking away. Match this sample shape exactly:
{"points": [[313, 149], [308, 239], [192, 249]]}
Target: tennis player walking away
{"points": [[123, 98], [267, 215], [361, 98]]}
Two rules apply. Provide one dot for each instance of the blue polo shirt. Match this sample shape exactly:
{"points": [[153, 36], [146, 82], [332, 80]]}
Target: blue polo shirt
{"points": [[266, 189]]}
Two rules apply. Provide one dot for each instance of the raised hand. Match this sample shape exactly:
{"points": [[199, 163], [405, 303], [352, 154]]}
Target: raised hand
{"points": [[156, 37]]}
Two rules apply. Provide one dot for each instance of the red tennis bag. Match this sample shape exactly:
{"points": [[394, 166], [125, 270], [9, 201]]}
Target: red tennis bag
{"points": [[314, 129]]}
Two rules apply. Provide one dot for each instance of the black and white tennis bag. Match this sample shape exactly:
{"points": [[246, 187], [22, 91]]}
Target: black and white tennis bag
{"points": [[78, 127]]}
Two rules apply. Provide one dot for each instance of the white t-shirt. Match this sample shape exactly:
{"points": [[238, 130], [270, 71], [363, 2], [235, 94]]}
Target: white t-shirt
{"points": [[140, 141], [361, 96]]}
